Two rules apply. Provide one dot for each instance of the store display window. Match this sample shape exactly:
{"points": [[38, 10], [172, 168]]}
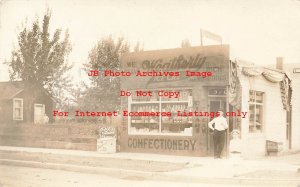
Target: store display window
{"points": [[167, 122]]}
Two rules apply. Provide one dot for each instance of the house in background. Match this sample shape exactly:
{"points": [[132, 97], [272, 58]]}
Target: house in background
{"points": [[19, 106]]}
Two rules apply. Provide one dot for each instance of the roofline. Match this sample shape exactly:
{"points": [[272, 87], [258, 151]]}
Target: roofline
{"points": [[16, 93]]}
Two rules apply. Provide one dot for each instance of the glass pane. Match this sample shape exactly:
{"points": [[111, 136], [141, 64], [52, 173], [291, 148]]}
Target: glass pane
{"points": [[219, 92], [251, 118], [17, 113], [18, 103], [165, 97], [259, 97], [258, 117], [176, 123], [251, 112], [252, 128], [142, 95], [184, 95], [144, 124], [252, 96]]}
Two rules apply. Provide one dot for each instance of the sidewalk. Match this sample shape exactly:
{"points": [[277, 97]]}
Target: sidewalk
{"points": [[158, 167]]}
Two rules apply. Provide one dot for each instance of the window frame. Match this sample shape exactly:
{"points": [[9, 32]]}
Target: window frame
{"points": [[159, 102], [255, 104], [21, 118], [34, 111]]}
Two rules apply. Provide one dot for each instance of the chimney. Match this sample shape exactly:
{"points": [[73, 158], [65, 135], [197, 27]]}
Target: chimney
{"points": [[279, 63]]}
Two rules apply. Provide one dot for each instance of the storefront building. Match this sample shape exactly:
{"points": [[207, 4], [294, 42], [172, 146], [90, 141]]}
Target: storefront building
{"points": [[176, 133], [212, 83]]}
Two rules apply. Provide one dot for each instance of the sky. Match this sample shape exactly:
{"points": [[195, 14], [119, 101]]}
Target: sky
{"points": [[256, 30]]}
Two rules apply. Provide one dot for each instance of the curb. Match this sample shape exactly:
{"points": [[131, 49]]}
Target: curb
{"points": [[158, 176]]}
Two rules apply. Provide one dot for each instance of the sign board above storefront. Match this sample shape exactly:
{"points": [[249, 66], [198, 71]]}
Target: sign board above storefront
{"points": [[208, 65]]}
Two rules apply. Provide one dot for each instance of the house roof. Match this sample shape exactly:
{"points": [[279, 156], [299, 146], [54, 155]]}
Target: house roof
{"points": [[10, 89]]}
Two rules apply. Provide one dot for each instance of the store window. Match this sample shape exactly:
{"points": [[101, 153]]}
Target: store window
{"points": [[256, 111], [162, 124], [17, 109]]}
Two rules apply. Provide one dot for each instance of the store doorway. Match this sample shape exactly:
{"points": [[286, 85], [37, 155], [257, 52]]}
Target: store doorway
{"points": [[39, 113], [214, 106]]}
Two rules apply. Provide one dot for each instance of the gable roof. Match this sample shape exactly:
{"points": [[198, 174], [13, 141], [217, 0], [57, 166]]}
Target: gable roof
{"points": [[10, 89]]}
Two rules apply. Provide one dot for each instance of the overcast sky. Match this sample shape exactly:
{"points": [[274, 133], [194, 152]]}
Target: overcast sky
{"points": [[256, 30]]}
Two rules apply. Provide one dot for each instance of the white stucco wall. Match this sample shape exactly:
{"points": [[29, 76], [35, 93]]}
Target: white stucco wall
{"points": [[274, 118]]}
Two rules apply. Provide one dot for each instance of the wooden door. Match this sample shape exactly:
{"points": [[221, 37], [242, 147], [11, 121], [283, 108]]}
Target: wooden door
{"points": [[39, 113]]}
